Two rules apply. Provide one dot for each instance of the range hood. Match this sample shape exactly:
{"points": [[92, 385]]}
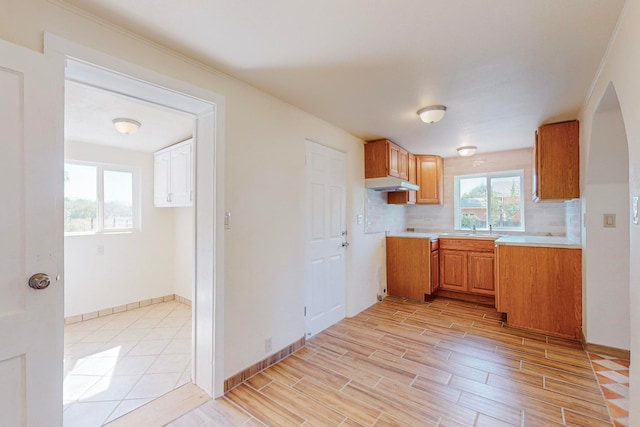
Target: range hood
{"points": [[389, 183]]}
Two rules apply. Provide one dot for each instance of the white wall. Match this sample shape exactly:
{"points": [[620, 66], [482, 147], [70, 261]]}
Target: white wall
{"points": [[622, 67], [606, 258], [264, 163], [134, 266], [540, 218], [184, 251]]}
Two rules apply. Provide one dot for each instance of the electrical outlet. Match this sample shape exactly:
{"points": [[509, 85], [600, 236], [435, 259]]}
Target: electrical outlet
{"points": [[268, 345]]}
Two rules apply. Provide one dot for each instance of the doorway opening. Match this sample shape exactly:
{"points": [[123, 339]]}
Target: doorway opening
{"points": [[129, 253], [607, 245]]}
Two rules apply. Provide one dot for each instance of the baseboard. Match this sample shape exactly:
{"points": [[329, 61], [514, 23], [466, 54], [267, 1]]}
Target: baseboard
{"points": [[608, 351], [242, 376], [119, 309]]}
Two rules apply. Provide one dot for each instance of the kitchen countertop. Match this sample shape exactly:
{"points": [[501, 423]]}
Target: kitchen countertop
{"points": [[544, 241], [500, 239], [412, 234]]}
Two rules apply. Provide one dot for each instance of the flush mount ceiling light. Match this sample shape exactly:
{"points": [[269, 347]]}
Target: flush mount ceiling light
{"points": [[126, 126], [467, 151], [432, 114]]}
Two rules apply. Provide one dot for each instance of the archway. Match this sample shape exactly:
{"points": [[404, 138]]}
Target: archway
{"points": [[606, 248]]}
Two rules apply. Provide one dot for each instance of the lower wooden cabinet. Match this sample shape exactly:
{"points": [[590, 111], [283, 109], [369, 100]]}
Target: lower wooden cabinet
{"points": [[409, 267], [467, 266], [481, 273], [453, 270], [540, 288], [435, 267]]}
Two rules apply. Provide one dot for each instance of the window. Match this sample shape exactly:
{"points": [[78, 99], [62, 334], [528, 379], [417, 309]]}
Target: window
{"points": [[490, 199], [99, 198]]}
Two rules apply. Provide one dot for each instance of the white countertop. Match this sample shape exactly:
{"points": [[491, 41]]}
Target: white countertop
{"points": [[545, 241], [432, 236], [516, 240]]}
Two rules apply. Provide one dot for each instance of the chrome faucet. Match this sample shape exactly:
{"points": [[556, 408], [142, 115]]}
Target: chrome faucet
{"points": [[473, 229], [490, 229]]}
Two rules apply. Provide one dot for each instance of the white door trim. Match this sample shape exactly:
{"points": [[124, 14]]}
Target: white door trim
{"points": [[208, 301]]}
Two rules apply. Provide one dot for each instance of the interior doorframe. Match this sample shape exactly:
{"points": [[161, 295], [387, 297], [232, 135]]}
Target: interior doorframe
{"points": [[209, 110]]}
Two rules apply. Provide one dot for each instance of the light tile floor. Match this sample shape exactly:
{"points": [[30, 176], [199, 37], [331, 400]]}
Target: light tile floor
{"points": [[613, 376], [117, 363]]}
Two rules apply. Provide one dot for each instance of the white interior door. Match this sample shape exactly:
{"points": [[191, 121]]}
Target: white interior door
{"points": [[325, 237], [31, 321]]}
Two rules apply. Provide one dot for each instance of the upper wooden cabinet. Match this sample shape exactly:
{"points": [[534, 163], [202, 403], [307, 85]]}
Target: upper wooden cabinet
{"points": [[556, 157], [429, 175], [384, 158], [405, 197]]}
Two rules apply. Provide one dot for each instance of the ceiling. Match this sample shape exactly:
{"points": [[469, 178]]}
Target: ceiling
{"points": [[89, 114], [502, 67]]}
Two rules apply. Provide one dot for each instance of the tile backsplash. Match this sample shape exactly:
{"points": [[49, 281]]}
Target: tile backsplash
{"points": [[380, 216]]}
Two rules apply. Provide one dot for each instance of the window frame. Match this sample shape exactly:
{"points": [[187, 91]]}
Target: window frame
{"points": [[457, 217], [135, 196]]}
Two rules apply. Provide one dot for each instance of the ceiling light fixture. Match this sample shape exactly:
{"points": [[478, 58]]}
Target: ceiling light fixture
{"points": [[126, 126], [467, 151], [432, 114]]}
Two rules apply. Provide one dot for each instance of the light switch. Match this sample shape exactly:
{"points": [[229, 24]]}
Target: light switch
{"points": [[609, 220], [227, 220], [360, 218]]}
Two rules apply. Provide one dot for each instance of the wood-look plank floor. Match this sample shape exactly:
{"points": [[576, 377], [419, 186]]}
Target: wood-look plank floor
{"points": [[405, 363]]}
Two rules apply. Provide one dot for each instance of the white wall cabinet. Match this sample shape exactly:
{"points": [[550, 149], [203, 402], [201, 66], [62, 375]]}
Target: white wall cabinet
{"points": [[173, 175]]}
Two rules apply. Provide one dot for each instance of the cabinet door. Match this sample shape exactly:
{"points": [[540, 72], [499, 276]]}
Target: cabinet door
{"points": [[180, 176], [541, 288], [481, 273], [557, 162], [161, 173], [411, 196], [407, 267], [376, 159], [435, 272], [403, 164], [453, 270], [394, 160], [405, 197], [429, 171]]}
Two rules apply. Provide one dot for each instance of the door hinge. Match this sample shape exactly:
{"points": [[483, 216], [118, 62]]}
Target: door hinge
{"points": [[305, 311]]}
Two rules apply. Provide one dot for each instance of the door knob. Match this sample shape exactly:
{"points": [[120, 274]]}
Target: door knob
{"points": [[345, 244], [39, 281]]}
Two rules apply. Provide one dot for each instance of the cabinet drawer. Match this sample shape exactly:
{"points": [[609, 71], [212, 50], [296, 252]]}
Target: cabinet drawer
{"points": [[468, 244]]}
